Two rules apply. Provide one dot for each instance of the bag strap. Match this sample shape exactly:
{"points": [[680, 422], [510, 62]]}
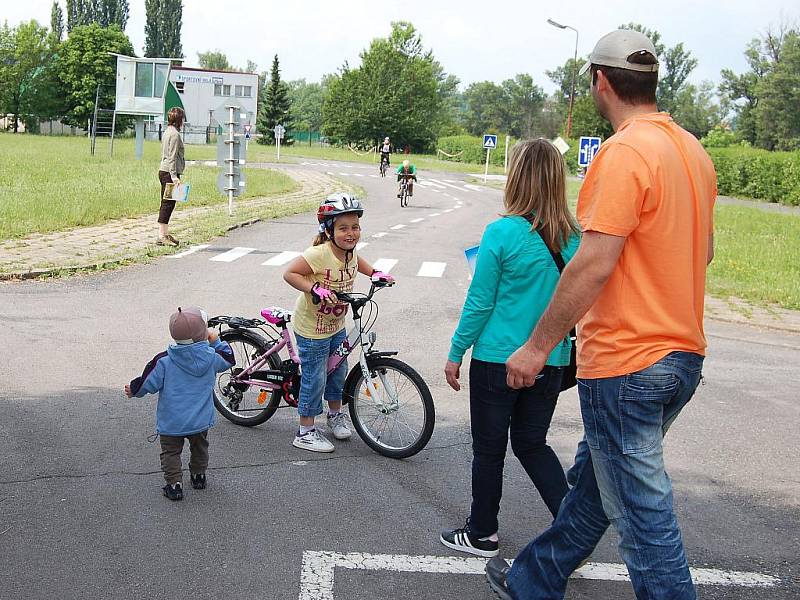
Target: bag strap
{"points": [[560, 265]]}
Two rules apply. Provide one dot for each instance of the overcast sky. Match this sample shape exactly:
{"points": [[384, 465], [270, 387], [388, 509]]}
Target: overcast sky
{"points": [[475, 40]]}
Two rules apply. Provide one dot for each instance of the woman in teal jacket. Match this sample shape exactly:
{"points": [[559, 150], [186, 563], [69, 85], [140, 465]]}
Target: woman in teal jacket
{"points": [[515, 277]]}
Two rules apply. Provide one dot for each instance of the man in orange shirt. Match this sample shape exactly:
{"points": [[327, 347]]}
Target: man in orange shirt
{"points": [[637, 286]]}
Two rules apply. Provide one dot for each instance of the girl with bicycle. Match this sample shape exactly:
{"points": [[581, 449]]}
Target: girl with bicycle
{"points": [[515, 277], [330, 265]]}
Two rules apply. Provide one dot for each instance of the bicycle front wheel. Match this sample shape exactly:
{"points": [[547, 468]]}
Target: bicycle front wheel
{"points": [[397, 421], [242, 403]]}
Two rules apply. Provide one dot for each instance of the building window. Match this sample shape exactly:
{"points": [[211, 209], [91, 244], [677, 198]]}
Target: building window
{"points": [[226, 90], [247, 91], [179, 86], [150, 79], [218, 89]]}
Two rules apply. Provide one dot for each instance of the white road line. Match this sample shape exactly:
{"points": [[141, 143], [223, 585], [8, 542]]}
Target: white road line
{"points": [[452, 181], [345, 174], [331, 173], [318, 571], [281, 259], [458, 187], [417, 220], [435, 183], [398, 226], [191, 250], [380, 234], [447, 210], [434, 214], [360, 245], [358, 174], [384, 264], [374, 176], [432, 269], [232, 254], [457, 206], [469, 186]]}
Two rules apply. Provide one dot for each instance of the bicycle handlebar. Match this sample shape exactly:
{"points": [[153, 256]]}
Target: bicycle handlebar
{"points": [[352, 300]]}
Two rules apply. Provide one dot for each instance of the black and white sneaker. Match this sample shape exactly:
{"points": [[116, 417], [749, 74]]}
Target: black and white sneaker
{"points": [[464, 541]]}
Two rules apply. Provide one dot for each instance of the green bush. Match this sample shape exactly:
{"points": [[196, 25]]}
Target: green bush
{"points": [[469, 149], [720, 138], [760, 174]]}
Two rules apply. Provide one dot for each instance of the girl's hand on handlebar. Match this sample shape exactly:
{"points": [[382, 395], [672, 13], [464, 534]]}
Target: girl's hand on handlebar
{"points": [[381, 276], [212, 336], [452, 371], [322, 294]]}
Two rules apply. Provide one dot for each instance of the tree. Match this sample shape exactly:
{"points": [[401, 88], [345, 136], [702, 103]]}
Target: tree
{"points": [[275, 107], [83, 62], [695, 109], [397, 91], [486, 108], [214, 60], [57, 22], [103, 12], [162, 28], [525, 101], [306, 101], [777, 118]]}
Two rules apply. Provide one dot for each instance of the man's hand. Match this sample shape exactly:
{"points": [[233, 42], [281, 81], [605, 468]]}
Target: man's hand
{"points": [[128, 391], [523, 366], [452, 373]]}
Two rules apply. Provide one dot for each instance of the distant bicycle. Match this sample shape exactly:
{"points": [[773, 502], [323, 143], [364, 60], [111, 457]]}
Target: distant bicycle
{"points": [[390, 404], [384, 165]]}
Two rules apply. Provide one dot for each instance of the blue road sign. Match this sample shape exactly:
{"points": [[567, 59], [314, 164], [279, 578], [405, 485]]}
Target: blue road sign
{"points": [[490, 141], [587, 148]]}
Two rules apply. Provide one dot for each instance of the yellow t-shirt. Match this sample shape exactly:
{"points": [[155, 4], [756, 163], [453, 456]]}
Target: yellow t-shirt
{"points": [[653, 184], [316, 321]]}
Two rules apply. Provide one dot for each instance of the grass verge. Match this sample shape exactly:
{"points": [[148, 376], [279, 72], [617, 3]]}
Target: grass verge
{"points": [[52, 183]]}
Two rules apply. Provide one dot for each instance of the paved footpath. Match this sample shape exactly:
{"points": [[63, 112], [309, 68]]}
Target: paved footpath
{"points": [[122, 240]]}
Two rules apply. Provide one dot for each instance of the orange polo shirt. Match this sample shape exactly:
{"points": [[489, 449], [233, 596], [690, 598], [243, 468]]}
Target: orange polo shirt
{"points": [[653, 184]]}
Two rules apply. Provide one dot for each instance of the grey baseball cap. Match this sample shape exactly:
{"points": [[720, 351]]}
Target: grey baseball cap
{"points": [[616, 48], [188, 325]]}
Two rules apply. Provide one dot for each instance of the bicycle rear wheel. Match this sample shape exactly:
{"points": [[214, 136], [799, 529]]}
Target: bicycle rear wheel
{"points": [[241, 403], [399, 423]]}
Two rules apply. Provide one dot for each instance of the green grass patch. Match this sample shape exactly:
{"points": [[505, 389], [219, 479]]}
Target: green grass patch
{"points": [[263, 153], [53, 183], [757, 256]]}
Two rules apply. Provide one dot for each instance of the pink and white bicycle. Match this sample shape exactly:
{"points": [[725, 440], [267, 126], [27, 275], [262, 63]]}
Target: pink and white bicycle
{"points": [[390, 404]]}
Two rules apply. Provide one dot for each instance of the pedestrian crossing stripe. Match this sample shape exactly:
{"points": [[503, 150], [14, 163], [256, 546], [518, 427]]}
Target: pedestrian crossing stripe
{"points": [[232, 254], [281, 259]]}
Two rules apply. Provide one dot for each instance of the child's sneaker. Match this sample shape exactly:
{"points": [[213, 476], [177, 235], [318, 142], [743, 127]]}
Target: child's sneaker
{"points": [[199, 481], [464, 541], [312, 440], [339, 426], [174, 492]]}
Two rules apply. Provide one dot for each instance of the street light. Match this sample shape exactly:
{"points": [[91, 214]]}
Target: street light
{"points": [[574, 64]]}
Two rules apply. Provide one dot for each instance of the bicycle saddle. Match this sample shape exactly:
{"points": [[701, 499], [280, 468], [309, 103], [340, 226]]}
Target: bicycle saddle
{"points": [[277, 316]]}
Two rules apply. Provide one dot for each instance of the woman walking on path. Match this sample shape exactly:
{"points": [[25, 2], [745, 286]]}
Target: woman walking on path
{"points": [[170, 171], [515, 277]]}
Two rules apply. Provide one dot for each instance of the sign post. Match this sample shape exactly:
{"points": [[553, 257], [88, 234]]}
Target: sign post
{"points": [[587, 148], [230, 153], [279, 130], [247, 135], [490, 143]]}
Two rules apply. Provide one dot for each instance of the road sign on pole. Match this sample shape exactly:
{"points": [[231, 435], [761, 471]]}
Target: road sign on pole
{"points": [[230, 153], [490, 143], [278, 130], [587, 148]]}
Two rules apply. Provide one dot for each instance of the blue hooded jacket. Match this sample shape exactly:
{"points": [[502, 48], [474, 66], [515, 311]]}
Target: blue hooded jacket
{"points": [[184, 376]]}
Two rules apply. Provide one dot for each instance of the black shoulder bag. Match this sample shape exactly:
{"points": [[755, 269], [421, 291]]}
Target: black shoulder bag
{"points": [[568, 379]]}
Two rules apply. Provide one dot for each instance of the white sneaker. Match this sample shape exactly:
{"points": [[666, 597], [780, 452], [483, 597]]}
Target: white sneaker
{"points": [[339, 426], [312, 440]]}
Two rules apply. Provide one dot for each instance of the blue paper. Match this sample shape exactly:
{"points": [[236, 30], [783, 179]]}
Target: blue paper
{"points": [[471, 254]]}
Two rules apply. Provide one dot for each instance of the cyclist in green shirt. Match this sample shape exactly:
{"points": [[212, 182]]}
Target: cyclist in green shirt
{"points": [[408, 171]]}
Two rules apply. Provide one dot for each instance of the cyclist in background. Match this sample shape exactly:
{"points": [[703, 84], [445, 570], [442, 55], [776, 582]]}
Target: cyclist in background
{"points": [[386, 150], [409, 172]]}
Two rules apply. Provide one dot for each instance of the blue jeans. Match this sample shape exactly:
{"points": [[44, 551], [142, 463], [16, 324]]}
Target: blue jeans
{"points": [[619, 479], [314, 377], [494, 409]]}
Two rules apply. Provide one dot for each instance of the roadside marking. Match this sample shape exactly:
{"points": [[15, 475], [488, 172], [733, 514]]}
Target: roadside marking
{"points": [[358, 174], [281, 259], [398, 226], [434, 183], [431, 269], [384, 264], [457, 206], [318, 571], [417, 220], [360, 245], [331, 173], [447, 210], [458, 187], [380, 234], [374, 176], [191, 250], [469, 186], [232, 254], [345, 174], [434, 214]]}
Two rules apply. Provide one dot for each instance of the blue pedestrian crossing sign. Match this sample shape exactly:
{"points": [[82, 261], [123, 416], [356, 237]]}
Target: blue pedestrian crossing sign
{"points": [[587, 148], [490, 141]]}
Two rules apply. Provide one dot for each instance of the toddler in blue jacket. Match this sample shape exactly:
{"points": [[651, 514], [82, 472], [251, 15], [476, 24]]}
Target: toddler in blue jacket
{"points": [[184, 378]]}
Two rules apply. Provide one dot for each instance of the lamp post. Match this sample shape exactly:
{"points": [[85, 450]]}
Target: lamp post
{"points": [[574, 65]]}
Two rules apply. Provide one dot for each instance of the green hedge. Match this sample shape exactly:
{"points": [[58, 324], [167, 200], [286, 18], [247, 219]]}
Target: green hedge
{"points": [[469, 149], [760, 174]]}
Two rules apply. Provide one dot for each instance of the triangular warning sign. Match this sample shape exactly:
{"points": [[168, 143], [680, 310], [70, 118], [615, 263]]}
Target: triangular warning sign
{"points": [[488, 143]]}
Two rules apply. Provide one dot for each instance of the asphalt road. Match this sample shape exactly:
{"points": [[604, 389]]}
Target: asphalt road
{"points": [[81, 511]]}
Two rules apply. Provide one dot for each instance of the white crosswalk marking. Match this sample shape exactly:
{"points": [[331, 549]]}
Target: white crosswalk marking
{"points": [[458, 187], [417, 220], [384, 264], [345, 174], [398, 226], [434, 214], [191, 250], [380, 234], [469, 186], [281, 259], [233, 254], [358, 174], [434, 183], [331, 173], [458, 206], [431, 269], [447, 210]]}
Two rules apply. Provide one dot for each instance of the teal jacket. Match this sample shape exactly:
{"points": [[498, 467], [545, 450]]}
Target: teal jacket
{"points": [[515, 277]]}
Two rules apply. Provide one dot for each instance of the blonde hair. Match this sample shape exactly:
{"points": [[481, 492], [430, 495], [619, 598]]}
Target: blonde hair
{"points": [[537, 190]]}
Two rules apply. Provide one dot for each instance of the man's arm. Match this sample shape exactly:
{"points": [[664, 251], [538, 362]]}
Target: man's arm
{"points": [[710, 255], [580, 284]]}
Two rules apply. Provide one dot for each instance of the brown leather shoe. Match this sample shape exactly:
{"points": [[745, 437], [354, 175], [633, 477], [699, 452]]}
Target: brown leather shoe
{"points": [[166, 241]]}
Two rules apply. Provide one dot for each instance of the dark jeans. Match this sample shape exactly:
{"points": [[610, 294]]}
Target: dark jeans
{"points": [[494, 408], [167, 206], [171, 448], [619, 479]]}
